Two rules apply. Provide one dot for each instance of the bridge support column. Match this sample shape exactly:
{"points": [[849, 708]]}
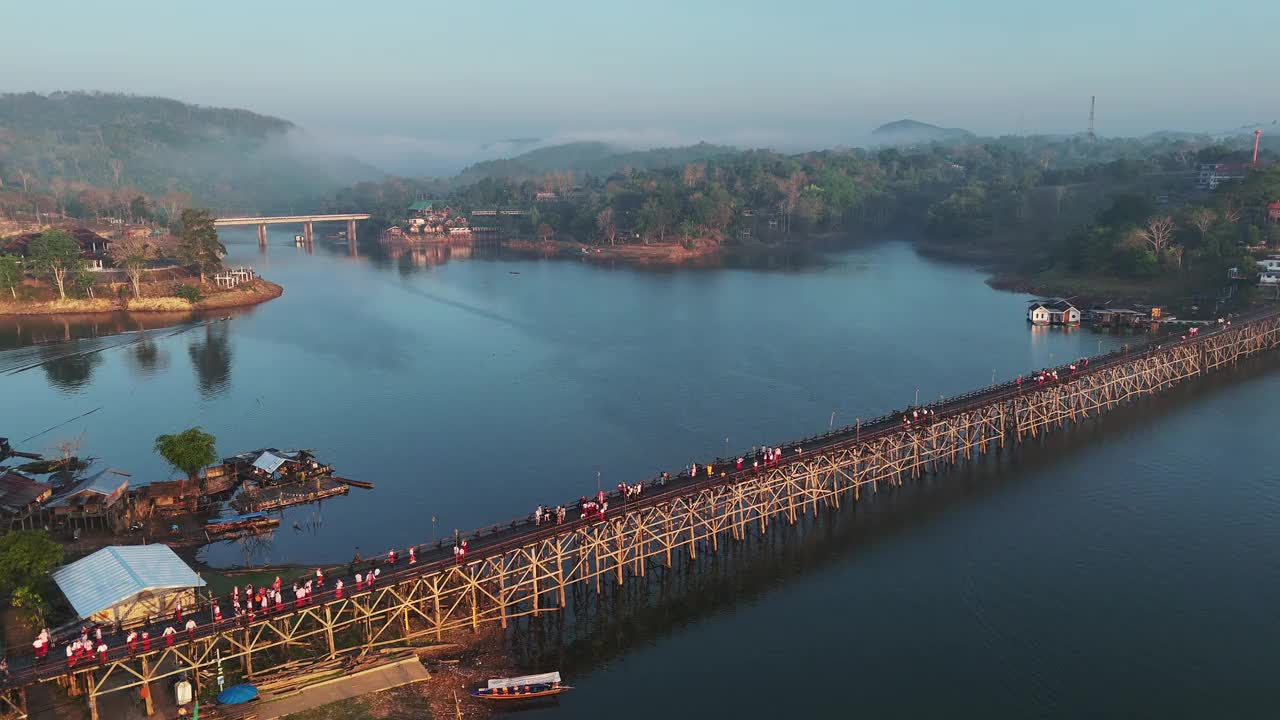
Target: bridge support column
{"points": [[351, 231], [146, 687], [262, 235], [308, 233]]}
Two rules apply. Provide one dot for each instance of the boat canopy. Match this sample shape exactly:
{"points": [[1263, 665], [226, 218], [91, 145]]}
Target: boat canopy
{"points": [[543, 679], [236, 518]]}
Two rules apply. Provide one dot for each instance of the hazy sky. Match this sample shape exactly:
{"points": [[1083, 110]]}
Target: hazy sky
{"points": [[436, 77]]}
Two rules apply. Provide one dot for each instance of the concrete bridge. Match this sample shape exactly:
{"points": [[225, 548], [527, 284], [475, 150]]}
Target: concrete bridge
{"points": [[306, 221], [523, 569]]}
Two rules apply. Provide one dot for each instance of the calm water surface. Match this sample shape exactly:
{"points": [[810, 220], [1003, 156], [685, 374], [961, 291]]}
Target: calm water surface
{"points": [[1129, 569]]}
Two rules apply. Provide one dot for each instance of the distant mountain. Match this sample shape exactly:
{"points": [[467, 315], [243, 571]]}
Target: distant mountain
{"points": [[590, 158], [914, 132], [227, 159]]}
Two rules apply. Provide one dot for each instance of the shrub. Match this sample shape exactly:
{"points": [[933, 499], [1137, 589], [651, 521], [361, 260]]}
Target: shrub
{"points": [[190, 293]]}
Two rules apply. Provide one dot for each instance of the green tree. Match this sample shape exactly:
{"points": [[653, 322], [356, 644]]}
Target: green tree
{"points": [[56, 255], [82, 278], [26, 558], [188, 451], [31, 606], [10, 274], [139, 209], [198, 244]]}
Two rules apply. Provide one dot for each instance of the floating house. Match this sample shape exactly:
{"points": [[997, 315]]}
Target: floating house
{"points": [[1115, 317], [1055, 311], [127, 584]]}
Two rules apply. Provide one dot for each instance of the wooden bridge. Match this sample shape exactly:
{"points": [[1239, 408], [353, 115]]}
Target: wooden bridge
{"points": [[523, 570], [307, 222]]}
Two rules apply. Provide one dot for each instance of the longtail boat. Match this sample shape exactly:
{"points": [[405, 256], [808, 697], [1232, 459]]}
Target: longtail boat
{"points": [[251, 521], [365, 484], [524, 687]]}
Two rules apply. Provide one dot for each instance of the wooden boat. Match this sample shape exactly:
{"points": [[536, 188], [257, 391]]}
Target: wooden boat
{"points": [[353, 483], [524, 687], [237, 523]]}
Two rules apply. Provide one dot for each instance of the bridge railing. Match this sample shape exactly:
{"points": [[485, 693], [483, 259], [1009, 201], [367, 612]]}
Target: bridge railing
{"points": [[518, 532]]}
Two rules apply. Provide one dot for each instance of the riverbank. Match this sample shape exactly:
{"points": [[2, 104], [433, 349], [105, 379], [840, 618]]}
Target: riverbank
{"points": [[251, 293], [655, 255]]}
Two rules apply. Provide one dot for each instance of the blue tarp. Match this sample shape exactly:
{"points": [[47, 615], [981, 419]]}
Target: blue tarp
{"points": [[237, 694]]}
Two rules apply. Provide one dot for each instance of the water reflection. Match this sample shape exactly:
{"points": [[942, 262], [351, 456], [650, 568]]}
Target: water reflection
{"points": [[211, 358], [68, 372], [147, 356]]}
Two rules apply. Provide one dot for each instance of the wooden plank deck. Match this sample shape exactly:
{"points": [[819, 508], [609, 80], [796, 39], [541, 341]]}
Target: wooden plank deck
{"points": [[385, 677]]}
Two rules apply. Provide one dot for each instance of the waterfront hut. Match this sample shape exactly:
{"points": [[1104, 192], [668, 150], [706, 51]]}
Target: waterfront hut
{"points": [[93, 501], [1055, 311], [127, 584], [167, 497], [269, 465], [20, 499]]}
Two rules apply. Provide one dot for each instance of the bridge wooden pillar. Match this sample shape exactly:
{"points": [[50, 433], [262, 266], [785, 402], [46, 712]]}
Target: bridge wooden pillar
{"points": [[262, 235]]}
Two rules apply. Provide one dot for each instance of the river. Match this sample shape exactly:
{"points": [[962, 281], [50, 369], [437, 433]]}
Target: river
{"points": [[1128, 568]]}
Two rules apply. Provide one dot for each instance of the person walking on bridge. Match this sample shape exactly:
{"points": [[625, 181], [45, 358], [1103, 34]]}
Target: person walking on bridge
{"points": [[168, 633]]}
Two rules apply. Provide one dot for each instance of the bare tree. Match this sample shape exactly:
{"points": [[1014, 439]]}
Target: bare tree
{"points": [[24, 176], [1203, 219], [132, 254], [694, 173], [1157, 233], [604, 221], [173, 203], [1231, 212], [117, 168], [790, 188]]}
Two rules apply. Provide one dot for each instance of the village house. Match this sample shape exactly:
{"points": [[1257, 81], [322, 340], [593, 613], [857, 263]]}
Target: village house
{"points": [[1054, 311], [20, 500], [93, 247], [426, 219], [97, 500], [128, 584]]}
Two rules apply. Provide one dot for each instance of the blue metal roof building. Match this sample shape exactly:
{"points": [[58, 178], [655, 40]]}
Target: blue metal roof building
{"points": [[127, 582]]}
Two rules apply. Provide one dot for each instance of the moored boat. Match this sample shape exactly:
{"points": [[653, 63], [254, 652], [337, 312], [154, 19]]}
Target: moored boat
{"points": [[524, 687], [250, 521]]}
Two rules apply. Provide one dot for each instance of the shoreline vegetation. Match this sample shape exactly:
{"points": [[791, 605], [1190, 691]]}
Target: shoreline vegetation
{"points": [[251, 293]]}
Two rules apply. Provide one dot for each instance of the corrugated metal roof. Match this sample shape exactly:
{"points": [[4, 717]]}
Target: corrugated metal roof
{"points": [[117, 573], [17, 491], [268, 462], [104, 483]]}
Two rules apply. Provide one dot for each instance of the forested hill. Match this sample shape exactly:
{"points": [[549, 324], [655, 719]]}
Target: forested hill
{"points": [[590, 158], [81, 149]]}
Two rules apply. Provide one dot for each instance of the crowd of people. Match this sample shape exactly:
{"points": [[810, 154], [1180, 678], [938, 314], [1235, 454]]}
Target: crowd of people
{"points": [[93, 645]]}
